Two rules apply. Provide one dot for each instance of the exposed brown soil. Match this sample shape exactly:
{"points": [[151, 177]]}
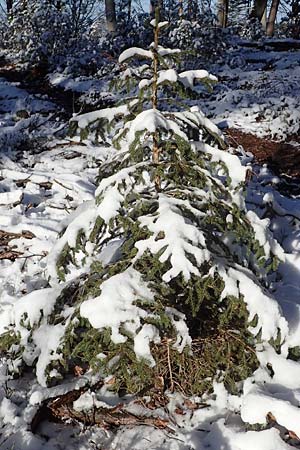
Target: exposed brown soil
{"points": [[282, 157]]}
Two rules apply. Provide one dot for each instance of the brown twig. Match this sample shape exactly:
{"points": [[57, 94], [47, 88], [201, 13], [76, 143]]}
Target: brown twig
{"points": [[170, 367], [63, 185]]}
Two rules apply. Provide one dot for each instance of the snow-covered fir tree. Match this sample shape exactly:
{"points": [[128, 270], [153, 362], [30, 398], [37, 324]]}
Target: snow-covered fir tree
{"points": [[165, 273]]}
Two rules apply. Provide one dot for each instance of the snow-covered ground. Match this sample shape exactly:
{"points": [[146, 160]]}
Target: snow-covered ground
{"points": [[259, 92], [45, 178]]}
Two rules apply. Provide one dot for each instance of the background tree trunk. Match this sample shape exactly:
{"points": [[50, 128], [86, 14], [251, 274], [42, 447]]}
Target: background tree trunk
{"points": [[222, 13], [264, 19], [9, 5], [110, 14], [180, 9], [259, 8], [129, 10], [260, 11], [272, 17]]}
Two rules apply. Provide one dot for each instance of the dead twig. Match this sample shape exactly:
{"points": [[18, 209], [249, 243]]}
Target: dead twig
{"points": [[170, 367], [63, 185]]}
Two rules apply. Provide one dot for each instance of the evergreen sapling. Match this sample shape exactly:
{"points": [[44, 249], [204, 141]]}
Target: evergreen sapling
{"points": [[165, 274]]}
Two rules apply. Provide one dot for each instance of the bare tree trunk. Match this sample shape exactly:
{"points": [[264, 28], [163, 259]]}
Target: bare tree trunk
{"points": [[260, 12], [9, 5], [129, 10], [264, 20], [110, 14], [180, 9], [154, 97], [222, 13], [272, 17], [260, 8], [295, 14]]}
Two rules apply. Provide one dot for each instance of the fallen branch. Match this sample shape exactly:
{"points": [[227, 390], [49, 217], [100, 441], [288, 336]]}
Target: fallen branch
{"points": [[288, 436], [60, 409], [106, 418], [63, 185], [70, 154], [48, 407]]}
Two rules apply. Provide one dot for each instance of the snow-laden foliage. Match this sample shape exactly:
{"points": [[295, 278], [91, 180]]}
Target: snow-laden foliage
{"points": [[250, 28], [201, 38], [38, 30], [290, 23], [50, 32], [165, 272]]}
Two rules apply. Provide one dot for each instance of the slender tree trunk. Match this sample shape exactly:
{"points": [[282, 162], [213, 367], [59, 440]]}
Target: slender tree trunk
{"points": [[110, 14], [260, 12], [222, 13], [259, 8], [264, 19], [295, 15], [272, 17], [9, 5], [154, 97], [129, 10], [156, 4], [180, 9]]}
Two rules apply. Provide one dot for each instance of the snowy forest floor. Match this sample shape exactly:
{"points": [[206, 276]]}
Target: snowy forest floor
{"points": [[45, 177]]}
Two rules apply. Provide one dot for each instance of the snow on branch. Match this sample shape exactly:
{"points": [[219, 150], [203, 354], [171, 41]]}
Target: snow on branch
{"points": [[163, 51], [115, 305], [113, 190], [169, 75], [260, 305], [159, 25], [236, 171], [109, 114], [134, 52], [151, 120], [186, 79], [174, 239], [190, 77]]}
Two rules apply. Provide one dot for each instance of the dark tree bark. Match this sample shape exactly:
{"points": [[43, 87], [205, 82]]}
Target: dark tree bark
{"points": [[272, 17], [180, 9], [222, 13], [129, 10], [260, 11], [260, 8], [295, 16], [110, 14], [9, 5]]}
